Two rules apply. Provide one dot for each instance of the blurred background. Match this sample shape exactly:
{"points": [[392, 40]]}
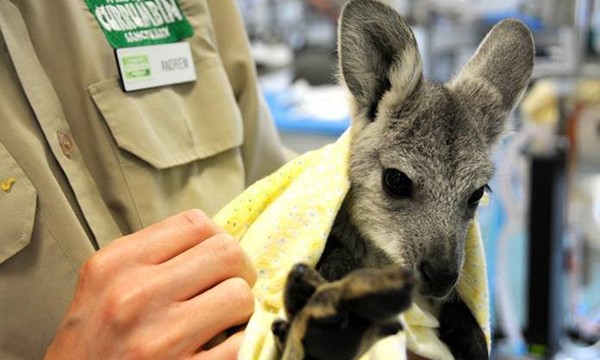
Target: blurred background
{"points": [[541, 225]]}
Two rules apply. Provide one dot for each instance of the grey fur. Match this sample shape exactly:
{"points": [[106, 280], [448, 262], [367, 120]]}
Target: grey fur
{"points": [[440, 135], [379, 56]]}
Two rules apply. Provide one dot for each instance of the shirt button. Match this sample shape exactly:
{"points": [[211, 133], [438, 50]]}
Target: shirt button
{"points": [[66, 144]]}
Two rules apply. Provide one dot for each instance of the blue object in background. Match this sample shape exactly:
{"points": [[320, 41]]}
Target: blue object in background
{"points": [[534, 23], [288, 119]]}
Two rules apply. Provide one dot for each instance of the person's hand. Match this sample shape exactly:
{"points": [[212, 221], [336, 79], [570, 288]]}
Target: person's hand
{"points": [[160, 293]]}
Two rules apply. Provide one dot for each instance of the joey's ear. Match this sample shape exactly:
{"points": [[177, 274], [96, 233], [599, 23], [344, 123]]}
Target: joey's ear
{"points": [[494, 79], [377, 52]]}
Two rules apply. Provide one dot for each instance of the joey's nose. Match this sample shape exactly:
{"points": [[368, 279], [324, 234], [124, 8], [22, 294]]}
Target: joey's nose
{"points": [[438, 279]]}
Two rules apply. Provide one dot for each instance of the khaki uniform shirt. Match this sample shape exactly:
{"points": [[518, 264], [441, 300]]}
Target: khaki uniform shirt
{"points": [[82, 162]]}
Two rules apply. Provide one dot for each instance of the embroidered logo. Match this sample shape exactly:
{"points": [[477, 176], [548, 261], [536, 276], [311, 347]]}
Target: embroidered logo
{"points": [[129, 23]]}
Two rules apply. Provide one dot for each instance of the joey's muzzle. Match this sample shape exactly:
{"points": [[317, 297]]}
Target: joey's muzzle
{"points": [[437, 279]]}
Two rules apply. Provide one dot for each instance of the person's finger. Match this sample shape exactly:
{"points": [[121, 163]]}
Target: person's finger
{"points": [[162, 241], [227, 350], [226, 305], [199, 268]]}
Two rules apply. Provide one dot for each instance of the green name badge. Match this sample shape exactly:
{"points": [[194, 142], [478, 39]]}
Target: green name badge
{"points": [[129, 23]]}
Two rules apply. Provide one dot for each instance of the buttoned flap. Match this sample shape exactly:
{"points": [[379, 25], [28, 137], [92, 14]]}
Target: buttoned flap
{"points": [[18, 199], [177, 124]]}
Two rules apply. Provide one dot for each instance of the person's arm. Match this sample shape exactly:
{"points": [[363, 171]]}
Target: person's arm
{"points": [[160, 293]]}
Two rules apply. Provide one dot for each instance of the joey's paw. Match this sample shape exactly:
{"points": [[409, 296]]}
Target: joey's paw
{"points": [[341, 319], [378, 294]]}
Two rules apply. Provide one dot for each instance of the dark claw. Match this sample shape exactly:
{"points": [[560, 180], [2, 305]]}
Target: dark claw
{"points": [[280, 329], [390, 329], [297, 272]]}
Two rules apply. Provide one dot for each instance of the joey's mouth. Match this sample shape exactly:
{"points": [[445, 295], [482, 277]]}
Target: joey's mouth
{"points": [[428, 292]]}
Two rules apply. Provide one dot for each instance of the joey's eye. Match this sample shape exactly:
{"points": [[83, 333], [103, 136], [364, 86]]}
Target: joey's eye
{"points": [[476, 196], [397, 184]]}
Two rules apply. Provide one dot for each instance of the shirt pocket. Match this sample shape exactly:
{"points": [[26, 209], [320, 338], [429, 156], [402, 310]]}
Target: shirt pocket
{"points": [[177, 146], [18, 201], [173, 125]]}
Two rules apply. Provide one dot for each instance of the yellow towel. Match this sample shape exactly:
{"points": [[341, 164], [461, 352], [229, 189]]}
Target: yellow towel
{"points": [[286, 218]]}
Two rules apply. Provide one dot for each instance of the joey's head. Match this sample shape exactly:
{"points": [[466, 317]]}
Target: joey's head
{"points": [[421, 151]]}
